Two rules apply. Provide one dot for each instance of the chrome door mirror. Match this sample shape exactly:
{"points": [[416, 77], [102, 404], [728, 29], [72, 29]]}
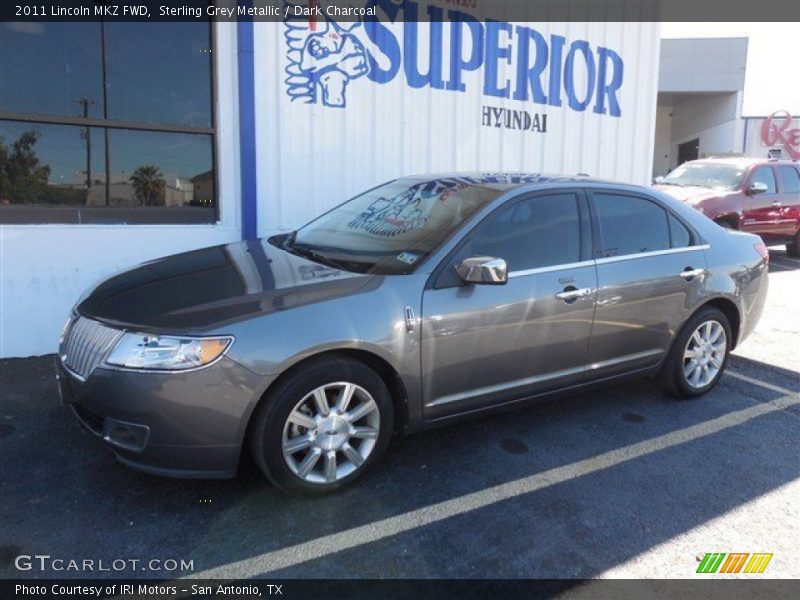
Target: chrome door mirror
{"points": [[658, 180], [483, 269], [757, 187]]}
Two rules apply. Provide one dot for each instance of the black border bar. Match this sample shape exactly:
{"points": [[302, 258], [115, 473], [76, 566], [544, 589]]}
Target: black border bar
{"points": [[403, 10], [708, 588]]}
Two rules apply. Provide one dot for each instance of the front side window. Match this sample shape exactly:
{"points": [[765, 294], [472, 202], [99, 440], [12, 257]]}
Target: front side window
{"points": [[128, 139], [541, 231], [708, 175], [767, 177], [790, 180], [390, 229], [630, 225]]}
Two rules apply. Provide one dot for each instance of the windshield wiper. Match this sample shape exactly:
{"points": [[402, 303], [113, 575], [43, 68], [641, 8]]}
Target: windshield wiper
{"points": [[307, 252], [673, 183]]}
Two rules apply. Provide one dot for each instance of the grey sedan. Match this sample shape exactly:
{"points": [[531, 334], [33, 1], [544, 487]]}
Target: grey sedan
{"points": [[421, 301]]}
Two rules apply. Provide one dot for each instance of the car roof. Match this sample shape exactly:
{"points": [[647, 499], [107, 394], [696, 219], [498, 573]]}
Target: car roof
{"points": [[503, 181], [742, 161]]}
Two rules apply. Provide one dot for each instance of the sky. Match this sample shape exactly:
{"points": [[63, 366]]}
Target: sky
{"points": [[772, 78]]}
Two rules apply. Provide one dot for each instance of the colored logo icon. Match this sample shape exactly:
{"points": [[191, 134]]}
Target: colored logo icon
{"points": [[734, 562]]}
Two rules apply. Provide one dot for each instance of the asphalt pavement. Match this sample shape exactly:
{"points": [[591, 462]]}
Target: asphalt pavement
{"points": [[621, 482]]}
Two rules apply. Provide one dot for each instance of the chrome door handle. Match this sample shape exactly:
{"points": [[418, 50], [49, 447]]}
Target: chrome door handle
{"points": [[568, 295], [692, 273]]}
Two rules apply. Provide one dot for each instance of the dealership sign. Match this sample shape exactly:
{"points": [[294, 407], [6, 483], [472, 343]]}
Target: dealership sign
{"points": [[325, 58], [777, 130]]}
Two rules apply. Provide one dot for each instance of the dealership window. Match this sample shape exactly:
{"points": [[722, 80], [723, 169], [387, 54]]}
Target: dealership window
{"points": [[107, 123]]}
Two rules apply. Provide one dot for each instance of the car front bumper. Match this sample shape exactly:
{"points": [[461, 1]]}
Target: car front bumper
{"points": [[188, 424]]}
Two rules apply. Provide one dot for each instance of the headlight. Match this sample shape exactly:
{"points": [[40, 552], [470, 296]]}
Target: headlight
{"points": [[146, 351]]}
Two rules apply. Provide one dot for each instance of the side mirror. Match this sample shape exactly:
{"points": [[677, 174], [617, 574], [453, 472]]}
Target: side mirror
{"points": [[483, 270], [658, 180], [757, 187]]}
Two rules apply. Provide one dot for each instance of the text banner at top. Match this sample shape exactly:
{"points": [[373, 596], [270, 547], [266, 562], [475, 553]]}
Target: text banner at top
{"points": [[403, 10]]}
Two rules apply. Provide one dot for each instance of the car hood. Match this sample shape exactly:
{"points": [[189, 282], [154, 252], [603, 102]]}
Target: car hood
{"points": [[222, 284], [690, 194]]}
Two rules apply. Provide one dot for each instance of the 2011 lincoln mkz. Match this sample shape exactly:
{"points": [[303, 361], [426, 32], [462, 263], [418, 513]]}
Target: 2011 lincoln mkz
{"points": [[421, 301]]}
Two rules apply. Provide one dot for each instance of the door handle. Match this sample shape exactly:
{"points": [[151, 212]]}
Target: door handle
{"points": [[571, 294], [688, 274]]}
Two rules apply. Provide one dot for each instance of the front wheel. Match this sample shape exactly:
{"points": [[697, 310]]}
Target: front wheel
{"points": [[323, 427], [699, 355]]}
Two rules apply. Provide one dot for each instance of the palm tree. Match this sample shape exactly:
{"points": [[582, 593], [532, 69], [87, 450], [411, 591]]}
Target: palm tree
{"points": [[148, 185]]}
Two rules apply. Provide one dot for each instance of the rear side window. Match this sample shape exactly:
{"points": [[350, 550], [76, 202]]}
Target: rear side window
{"points": [[630, 225], [766, 176], [542, 231], [790, 180], [678, 234]]}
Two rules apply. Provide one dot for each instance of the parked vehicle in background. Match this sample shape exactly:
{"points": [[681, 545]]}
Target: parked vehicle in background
{"points": [[754, 195], [423, 300]]}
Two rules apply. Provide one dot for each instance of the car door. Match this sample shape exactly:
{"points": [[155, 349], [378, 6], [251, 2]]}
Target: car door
{"points": [[489, 344], [762, 211], [789, 188], [650, 271]]}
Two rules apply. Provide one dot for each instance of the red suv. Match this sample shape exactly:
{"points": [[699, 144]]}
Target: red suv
{"points": [[755, 195]]}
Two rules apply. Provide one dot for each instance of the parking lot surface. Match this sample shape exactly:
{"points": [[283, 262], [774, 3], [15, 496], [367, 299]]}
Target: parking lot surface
{"points": [[621, 482]]}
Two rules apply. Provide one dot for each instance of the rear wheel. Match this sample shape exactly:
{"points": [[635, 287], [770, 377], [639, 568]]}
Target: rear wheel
{"points": [[322, 428], [699, 355], [725, 224], [793, 247]]}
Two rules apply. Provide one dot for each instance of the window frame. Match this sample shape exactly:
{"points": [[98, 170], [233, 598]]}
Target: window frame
{"points": [[442, 275], [751, 177], [597, 238], [105, 125]]}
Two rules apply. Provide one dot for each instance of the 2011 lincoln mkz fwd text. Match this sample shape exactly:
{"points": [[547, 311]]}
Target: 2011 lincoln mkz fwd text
{"points": [[421, 301]]}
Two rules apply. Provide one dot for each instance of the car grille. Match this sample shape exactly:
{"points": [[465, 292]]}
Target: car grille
{"points": [[85, 345]]}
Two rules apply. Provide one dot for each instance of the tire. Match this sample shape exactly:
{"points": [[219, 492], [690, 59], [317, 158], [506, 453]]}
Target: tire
{"points": [[793, 247], [725, 224], [677, 375], [292, 439]]}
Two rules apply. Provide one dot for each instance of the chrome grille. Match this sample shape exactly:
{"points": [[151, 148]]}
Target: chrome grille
{"points": [[86, 344]]}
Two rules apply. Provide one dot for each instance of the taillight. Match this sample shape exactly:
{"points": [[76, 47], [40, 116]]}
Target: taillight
{"points": [[762, 250]]}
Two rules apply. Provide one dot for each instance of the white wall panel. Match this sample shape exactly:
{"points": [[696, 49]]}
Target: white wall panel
{"points": [[312, 156]]}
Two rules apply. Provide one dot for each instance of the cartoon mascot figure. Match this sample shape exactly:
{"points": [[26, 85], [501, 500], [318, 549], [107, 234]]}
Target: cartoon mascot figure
{"points": [[329, 56]]}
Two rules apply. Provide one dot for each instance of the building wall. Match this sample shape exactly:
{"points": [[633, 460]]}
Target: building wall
{"points": [[662, 153], [312, 156], [46, 267]]}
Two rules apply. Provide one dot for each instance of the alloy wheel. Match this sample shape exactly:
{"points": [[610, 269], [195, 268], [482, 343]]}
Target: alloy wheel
{"points": [[704, 354], [330, 432]]}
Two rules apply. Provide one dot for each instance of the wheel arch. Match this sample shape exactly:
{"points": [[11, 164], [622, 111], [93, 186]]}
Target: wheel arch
{"points": [[729, 308], [731, 219], [380, 365]]}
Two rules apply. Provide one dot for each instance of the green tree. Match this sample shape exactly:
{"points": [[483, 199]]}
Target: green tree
{"points": [[149, 186], [23, 180]]}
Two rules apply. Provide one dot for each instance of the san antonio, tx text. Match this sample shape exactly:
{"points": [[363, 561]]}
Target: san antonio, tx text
{"points": [[234, 591]]}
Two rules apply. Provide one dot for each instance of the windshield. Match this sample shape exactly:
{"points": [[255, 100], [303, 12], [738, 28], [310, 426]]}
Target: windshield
{"points": [[709, 175], [390, 229]]}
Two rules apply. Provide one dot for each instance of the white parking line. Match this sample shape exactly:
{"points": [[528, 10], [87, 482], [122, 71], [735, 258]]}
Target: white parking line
{"points": [[764, 384], [421, 517]]}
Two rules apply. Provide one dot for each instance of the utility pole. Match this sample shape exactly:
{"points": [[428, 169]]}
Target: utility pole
{"points": [[85, 104]]}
